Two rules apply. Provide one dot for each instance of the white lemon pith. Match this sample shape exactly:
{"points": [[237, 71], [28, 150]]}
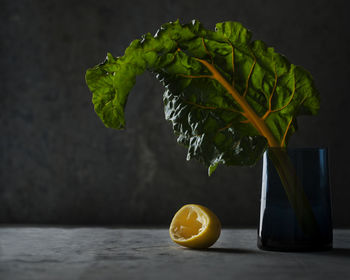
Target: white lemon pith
{"points": [[195, 226]]}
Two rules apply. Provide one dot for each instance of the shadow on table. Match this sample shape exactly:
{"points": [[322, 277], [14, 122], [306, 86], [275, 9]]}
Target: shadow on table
{"points": [[230, 250], [338, 252], [335, 252]]}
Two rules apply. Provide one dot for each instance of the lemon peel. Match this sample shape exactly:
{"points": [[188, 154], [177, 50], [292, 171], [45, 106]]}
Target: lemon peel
{"points": [[195, 226]]}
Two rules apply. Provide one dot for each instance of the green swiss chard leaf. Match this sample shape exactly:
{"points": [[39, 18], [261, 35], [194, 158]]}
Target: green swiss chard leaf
{"points": [[228, 97]]}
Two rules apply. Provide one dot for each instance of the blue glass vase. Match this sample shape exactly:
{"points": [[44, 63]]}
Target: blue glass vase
{"points": [[279, 228]]}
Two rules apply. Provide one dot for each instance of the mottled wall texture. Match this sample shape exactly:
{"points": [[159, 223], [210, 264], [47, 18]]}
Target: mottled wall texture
{"points": [[59, 164]]}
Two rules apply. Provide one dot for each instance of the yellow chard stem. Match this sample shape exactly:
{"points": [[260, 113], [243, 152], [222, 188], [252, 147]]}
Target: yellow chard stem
{"points": [[257, 122], [278, 155], [294, 190]]}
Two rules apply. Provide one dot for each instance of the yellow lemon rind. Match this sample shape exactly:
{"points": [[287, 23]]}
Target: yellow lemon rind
{"points": [[205, 238]]}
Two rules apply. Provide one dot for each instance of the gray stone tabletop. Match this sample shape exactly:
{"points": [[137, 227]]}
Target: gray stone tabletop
{"points": [[142, 253]]}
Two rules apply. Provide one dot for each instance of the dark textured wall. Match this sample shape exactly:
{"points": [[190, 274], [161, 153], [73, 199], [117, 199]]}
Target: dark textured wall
{"points": [[59, 164]]}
